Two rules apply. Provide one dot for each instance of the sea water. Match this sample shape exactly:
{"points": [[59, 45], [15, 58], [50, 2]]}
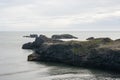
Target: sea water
{"points": [[14, 64]]}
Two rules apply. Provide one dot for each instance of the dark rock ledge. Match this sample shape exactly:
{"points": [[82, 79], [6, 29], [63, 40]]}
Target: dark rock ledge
{"points": [[64, 36], [101, 53], [31, 36]]}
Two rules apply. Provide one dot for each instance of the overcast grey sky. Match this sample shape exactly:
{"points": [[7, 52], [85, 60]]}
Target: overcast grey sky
{"points": [[35, 15]]}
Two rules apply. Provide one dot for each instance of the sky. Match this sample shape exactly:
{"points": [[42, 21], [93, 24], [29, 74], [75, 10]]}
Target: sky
{"points": [[38, 15]]}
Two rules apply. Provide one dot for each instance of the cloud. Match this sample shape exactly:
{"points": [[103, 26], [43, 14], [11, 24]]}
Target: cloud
{"points": [[63, 14]]}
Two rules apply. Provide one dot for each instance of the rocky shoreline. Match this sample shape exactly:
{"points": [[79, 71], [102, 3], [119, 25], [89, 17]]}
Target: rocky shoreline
{"points": [[101, 53]]}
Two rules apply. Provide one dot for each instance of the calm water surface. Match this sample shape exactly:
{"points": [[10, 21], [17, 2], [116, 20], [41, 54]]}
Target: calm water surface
{"points": [[14, 64]]}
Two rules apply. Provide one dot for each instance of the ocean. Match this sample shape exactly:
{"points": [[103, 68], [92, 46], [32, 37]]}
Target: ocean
{"points": [[14, 64]]}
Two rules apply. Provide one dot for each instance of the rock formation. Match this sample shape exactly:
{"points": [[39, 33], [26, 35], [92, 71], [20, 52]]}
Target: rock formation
{"points": [[90, 38], [39, 41], [63, 36], [101, 53], [32, 36]]}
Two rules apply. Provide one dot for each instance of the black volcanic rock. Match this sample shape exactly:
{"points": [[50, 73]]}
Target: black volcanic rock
{"points": [[32, 36], [56, 53], [101, 53], [27, 46], [32, 45], [103, 40], [63, 36], [104, 58], [117, 40], [78, 55], [39, 41], [90, 38]]}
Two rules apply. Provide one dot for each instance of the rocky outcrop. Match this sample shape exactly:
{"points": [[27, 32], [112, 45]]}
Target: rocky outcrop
{"points": [[32, 36], [102, 40], [96, 58], [98, 53], [27, 46], [90, 38], [39, 41], [117, 40], [64, 36], [104, 58]]}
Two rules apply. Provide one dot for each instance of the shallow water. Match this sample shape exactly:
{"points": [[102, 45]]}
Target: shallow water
{"points": [[14, 64]]}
